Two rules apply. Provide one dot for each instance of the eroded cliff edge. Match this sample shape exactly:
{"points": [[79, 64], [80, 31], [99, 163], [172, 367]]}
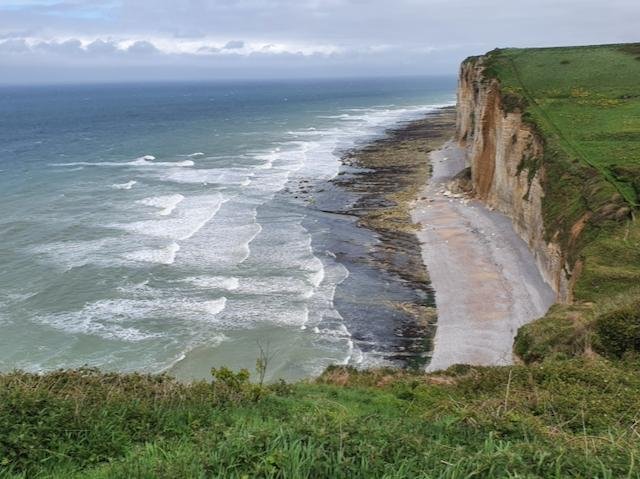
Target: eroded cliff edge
{"points": [[501, 151]]}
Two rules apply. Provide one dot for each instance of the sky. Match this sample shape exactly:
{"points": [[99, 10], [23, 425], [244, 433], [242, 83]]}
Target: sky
{"points": [[49, 41]]}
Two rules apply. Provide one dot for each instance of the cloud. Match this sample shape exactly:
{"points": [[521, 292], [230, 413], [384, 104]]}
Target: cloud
{"points": [[234, 45], [142, 47], [208, 50], [168, 45], [101, 47], [68, 47], [333, 37], [14, 45]]}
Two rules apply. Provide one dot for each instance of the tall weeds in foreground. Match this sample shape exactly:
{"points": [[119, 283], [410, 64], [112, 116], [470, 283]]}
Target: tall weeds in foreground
{"points": [[576, 417]]}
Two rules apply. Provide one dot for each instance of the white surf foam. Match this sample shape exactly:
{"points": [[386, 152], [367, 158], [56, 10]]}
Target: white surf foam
{"points": [[214, 282], [161, 256], [124, 186], [295, 288], [127, 319], [245, 313], [166, 203], [73, 254], [201, 176], [92, 321], [146, 160], [316, 276], [268, 158], [225, 241], [192, 214], [320, 149], [212, 308]]}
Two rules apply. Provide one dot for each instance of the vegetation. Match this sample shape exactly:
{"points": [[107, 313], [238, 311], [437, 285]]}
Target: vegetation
{"points": [[584, 102], [577, 418], [571, 409]]}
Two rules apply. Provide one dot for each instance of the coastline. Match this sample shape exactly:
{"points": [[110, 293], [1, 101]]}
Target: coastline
{"points": [[431, 257], [486, 279], [366, 222]]}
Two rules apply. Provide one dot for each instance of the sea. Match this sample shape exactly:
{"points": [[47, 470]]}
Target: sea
{"points": [[151, 227]]}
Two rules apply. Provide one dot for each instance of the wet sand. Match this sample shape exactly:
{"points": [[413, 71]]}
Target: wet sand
{"points": [[486, 281]]}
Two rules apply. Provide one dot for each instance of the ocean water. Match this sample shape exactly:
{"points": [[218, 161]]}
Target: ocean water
{"points": [[146, 227]]}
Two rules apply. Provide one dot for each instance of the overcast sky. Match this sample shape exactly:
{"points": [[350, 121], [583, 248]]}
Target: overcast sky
{"points": [[122, 40]]}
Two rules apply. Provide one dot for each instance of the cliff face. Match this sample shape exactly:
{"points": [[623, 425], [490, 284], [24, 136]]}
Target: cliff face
{"points": [[501, 151]]}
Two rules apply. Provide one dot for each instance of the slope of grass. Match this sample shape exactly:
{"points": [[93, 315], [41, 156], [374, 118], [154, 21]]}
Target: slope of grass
{"points": [[576, 418]]}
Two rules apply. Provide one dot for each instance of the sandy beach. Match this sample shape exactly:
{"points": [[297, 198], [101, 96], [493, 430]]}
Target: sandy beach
{"points": [[486, 281]]}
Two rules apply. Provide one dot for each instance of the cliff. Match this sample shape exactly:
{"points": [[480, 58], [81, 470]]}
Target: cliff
{"points": [[502, 151]]}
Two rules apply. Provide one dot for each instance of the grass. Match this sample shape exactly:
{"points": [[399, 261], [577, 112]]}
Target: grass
{"points": [[575, 418]]}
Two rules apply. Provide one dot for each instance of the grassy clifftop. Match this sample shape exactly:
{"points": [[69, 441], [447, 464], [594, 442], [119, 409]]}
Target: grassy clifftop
{"points": [[585, 104]]}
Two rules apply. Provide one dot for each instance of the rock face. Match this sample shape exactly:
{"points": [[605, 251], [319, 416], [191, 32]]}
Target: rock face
{"points": [[502, 151]]}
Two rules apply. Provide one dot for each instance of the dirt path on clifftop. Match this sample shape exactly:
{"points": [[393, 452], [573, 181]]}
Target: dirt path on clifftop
{"points": [[486, 281]]}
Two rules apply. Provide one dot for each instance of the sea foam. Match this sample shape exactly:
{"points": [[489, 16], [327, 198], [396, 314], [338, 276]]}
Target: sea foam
{"points": [[124, 186], [165, 255], [214, 282], [192, 214], [166, 203], [146, 160]]}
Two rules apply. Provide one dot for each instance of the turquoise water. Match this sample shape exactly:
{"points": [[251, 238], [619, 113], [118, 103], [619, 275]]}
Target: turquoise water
{"points": [[144, 227]]}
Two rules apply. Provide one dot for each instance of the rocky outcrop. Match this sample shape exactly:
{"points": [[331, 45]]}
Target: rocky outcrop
{"points": [[506, 168]]}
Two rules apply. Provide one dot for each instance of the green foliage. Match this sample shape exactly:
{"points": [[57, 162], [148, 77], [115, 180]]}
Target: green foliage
{"points": [[512, 101], [557, 419], [564, 332], [612, 262], [619, 330], [88, 417], [231, 386]]}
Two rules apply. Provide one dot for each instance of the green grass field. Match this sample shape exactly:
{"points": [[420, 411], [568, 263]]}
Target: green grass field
{"points": [[588, 100], [571, 409]]}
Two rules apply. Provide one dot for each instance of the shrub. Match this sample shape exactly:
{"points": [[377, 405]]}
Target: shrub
{"points": [[619, 330], [562, 333], [232, 387]]}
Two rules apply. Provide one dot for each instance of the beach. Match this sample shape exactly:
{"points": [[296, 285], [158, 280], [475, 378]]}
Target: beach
{"points": [[485, 278], [453, 281]]}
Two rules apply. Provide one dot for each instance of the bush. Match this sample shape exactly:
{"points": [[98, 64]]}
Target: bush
{"points": [[619, 330], [235, 387], [564, 332]]}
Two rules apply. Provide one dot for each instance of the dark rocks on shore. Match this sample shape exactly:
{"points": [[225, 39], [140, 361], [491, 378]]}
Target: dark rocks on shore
{"points": [[385, 177], [363, 217]]}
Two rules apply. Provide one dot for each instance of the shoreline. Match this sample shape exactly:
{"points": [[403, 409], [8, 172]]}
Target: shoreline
{"points": [[437, 256], [486, 279], [367, 211]]}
